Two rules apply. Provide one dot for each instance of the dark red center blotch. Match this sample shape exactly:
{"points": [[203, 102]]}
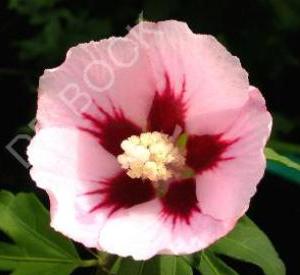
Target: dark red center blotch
{"points": [[180, 201], [111, 129], [167, 110], [122, 191], [204, 152]]}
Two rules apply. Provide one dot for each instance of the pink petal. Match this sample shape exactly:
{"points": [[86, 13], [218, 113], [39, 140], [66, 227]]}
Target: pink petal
{"points": [[225, 190], [134, 232], [112, 73], [142, 232], [212, 123], [67, 163], [71, 153], [213, 79], [202, 231]]}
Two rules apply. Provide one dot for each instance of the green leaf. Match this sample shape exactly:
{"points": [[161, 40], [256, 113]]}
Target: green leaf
{"points": [[283, 171], [172, 265], [272, 155], [159, 265], [37, 249], [248, 243], [210, 264]]}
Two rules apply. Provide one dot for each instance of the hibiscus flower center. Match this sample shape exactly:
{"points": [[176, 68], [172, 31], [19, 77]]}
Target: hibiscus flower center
{"points": [[152, 156]]}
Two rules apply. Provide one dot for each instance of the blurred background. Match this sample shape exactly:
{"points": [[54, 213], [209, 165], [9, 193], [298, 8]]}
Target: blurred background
{"points": [[264, 34]]}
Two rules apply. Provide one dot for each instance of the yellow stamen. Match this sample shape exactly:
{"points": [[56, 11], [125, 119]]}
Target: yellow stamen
{"points": [[151, 156]]}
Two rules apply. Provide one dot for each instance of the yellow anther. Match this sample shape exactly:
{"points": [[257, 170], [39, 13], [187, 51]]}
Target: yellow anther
{"points": [[150, 156]]}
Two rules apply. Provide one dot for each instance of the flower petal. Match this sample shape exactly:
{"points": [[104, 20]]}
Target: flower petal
{"points": [[142, 232], [68, 163], [225, 190], [212, 78], [113, 74], [69, 211]]}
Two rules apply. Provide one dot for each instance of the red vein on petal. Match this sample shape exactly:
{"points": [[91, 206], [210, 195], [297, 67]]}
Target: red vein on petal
{"points": [[167, 110], [122, 191], [180, 202], [204, 152], [111, 129]]}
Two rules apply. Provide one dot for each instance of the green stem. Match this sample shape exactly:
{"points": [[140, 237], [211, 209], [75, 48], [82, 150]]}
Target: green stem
{"points": [[104, 262], [89, 263]]}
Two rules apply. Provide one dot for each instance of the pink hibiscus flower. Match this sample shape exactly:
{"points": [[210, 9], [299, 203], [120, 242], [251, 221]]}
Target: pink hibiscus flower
{"points": [[149, 144]]}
